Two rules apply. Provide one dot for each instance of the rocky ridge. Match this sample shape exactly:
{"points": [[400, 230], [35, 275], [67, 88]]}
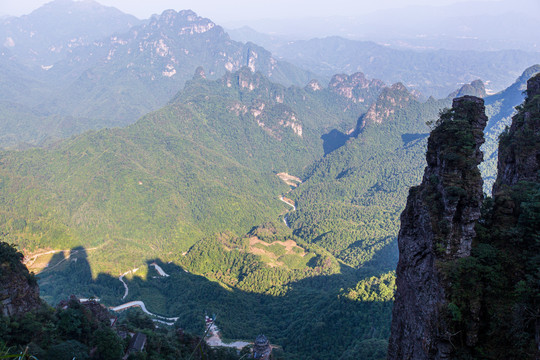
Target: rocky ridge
{"points": [[475, 88], [390, 100], [58, 28], [519, 159], [355, 87], [437, 226]]}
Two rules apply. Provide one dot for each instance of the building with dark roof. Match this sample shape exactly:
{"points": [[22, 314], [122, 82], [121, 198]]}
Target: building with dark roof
{"points": [[261, 348]]}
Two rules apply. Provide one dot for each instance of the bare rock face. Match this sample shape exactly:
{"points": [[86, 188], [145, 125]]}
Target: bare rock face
{"points": [[355, 87], [19, 292], [437, 226], [519, 155], [390, 100], [475, 88]]}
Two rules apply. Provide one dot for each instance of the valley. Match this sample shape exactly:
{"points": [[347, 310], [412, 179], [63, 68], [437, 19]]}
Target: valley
{"points": [[180, 172]]}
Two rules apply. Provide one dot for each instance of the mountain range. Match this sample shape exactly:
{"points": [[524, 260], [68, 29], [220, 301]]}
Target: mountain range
{"points": [[464, 25], [268, 194], [116, 79], [57, 84], [432, 72]]}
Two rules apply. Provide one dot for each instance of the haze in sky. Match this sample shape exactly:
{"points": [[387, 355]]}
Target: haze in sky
{"points": [[237, 10], [450, 24]]}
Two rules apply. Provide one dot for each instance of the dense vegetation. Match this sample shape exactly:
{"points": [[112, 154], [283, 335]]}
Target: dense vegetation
{"points": [[298, 295], [189, 186], [195, 178], [84, 330], [112, 79], [206, 204], [351, 202], [193, 182], [204, 164], [495, 291]]}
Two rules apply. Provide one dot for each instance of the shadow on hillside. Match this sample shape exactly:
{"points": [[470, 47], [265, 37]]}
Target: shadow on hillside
{"points": [[409, 139], [333, 140], [384, 260], [312, 316], [64, 276]]}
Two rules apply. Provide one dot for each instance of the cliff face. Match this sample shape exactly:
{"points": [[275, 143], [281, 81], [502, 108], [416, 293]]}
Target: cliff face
{"points": [[389, 101], [356, 87], [475, 88], [437, 226], [19, 292], [514, 231], [519, 153]]}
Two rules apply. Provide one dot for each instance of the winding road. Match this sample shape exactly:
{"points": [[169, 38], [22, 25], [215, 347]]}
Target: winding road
{"points": [[140, 304], [159, 270], [293, 209], [121, 278]]}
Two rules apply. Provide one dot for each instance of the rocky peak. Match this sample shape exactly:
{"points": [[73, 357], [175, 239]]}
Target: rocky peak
{"points": [[355, 87], [475, 88], [353, 80], [389, 101], [247, 79], [519, 155], [437, 226], [184, 22], [313, 85], [528, 73], [199, 73], [398, 87]]}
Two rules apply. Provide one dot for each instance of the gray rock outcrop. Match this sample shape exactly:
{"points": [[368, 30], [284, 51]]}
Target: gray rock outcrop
{"points": [[19, 292], [437, 225]]}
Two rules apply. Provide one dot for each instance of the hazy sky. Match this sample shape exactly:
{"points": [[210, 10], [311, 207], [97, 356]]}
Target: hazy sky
{"points": [[234, 10]]}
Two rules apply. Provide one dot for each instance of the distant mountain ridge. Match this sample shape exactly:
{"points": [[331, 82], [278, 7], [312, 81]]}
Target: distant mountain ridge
{"points": [[465, 25], [432, 72], [54, 30], [115, 80]]}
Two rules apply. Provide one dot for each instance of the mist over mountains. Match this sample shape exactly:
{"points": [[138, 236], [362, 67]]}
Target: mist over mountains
{"points": [[466, 25], [264, 177], [59, 83]]}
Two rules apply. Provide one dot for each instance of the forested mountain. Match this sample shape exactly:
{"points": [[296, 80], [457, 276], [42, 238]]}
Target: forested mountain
{"points": [[118, 78], [259, 193], [432, 72], [56, 29], [194, 178], [352, 198], [80, 328], [205, 163], [500, 108], [198, 178]]}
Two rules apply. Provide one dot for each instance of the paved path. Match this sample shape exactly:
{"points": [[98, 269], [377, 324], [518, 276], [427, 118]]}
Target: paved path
{"points": [[143, 308], [159, 270], [293, 209], [121, 278]]}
